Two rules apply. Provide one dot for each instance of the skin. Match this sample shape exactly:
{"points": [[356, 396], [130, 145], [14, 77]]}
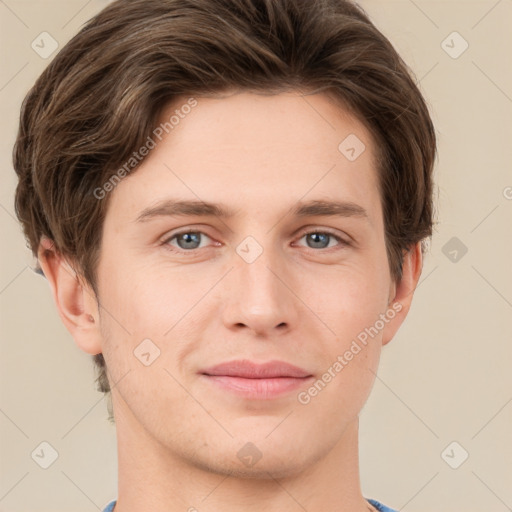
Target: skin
{"points": [[299, 301]]}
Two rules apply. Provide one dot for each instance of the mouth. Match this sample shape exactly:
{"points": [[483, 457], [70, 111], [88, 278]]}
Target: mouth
{"points": [[256, 381]]}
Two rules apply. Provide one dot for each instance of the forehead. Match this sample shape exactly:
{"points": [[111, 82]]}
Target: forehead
{"points": [[252, 151]]}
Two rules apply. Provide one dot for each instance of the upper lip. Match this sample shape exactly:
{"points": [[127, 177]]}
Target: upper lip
{"points": [[251, 370]]}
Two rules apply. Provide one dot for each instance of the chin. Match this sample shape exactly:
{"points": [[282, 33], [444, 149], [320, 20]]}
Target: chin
{"points": [[259, 460], [262, 470]]}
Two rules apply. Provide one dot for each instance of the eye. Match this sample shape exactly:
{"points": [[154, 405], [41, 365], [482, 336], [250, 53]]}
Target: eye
{"points": [[187, 240], [321, 239]]}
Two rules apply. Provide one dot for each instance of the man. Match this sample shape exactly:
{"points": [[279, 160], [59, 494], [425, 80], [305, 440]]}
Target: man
{"points": [[229, 199]]}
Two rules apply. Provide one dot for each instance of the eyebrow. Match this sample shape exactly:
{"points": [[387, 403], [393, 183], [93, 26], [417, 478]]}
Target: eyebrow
{"points": [[327, 208], [315, 208], [170, 207]]}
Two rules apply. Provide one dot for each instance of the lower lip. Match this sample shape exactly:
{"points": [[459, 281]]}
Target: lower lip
{"points": [[258, 389]]}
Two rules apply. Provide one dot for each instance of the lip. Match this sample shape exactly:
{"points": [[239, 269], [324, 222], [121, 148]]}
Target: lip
{"points": [[260, 381], [250, 370]]}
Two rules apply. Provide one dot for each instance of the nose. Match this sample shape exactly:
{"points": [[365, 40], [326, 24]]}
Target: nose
{"points": [[259, 295]]}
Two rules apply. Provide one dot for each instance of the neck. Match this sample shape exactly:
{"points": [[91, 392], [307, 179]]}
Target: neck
{"points": [[152, 477]]}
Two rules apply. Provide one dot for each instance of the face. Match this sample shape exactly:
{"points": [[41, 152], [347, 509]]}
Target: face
{"points": [[277, 283]]}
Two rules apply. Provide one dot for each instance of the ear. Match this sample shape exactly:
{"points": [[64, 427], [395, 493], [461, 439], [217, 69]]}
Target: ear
{"points": [[74, 298], [401, 292]]}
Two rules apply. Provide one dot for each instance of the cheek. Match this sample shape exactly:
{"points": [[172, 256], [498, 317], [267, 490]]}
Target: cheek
{"points": [[347, 301], [351, 306], [350, 359], [156, 311], [338, 395], [148, 301]]}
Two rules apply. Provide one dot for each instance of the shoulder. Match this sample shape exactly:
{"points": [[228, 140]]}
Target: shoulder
{"points": [[110, 506], [379, 506]]}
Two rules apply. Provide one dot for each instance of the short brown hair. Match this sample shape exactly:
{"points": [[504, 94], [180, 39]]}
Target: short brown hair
{"points": [[99, 100]]}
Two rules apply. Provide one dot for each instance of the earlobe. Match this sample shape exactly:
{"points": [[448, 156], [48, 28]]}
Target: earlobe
{"points": [[73, 297], [403, 292]]}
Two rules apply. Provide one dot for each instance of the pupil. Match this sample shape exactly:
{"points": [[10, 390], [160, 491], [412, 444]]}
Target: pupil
{"points": [[317, 238], [190, 238]]}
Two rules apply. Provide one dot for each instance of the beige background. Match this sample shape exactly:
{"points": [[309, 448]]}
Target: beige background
{"points": [[445, 377]]}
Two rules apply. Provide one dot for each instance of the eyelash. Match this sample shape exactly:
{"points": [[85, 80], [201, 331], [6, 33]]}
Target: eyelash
{"points": [[167, 240]]}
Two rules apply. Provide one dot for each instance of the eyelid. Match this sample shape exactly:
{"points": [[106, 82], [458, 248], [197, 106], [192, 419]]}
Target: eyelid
{"points": [[342, 241], [170, 236], [306, 231]]}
